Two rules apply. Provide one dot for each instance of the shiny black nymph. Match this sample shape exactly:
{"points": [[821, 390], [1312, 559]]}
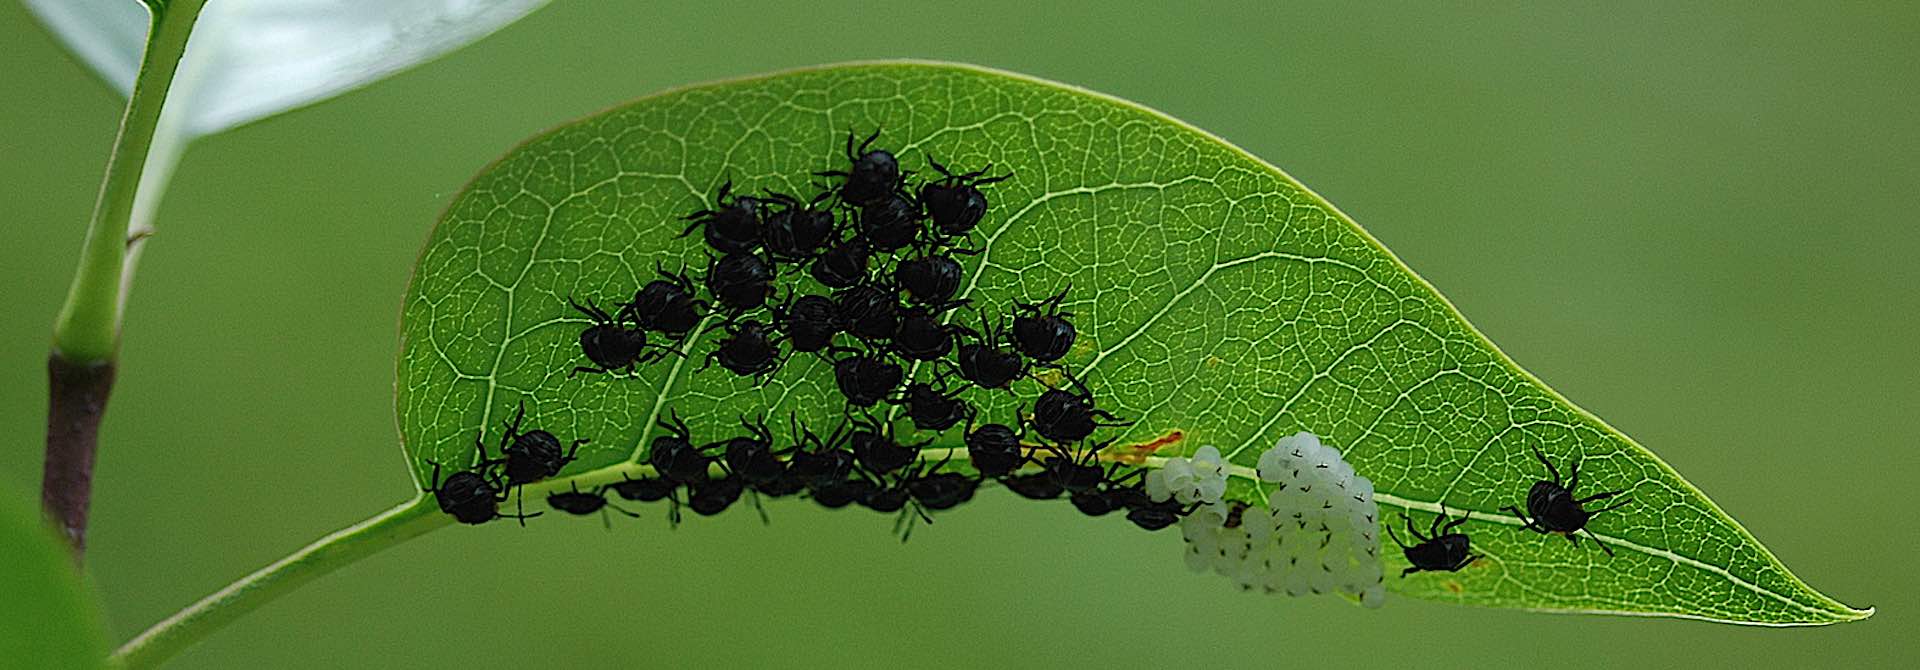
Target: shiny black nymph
{"points": [[609, 344], [1440, 549], [740, 281], [1041, 330], [748, 350], [866, 379], [986, 364], [874, 175], [1067, 417], [1554, 509], [994, 449], [666, 305], [734, 227], [928, 280], [530, 456], [955, 201], [470, 496], [674, 456], [797, 232], [877, 450], [809, 322]]}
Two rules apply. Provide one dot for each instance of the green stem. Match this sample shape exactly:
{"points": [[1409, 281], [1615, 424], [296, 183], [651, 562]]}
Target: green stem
{"points": [[188, 626], [88, 328]]}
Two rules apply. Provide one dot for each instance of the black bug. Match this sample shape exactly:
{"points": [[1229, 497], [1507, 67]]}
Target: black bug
{"points": [[866, 379], [1554, 509], [748, 350], [1157, 515], [820, 464], [1034, 486], [582, 503], [785, 485], [876, 449], [732, 228], [470, 496], [609, 344], [1103, 500], [797, 232], [645, 489], [1041, 330], [869, 311], [1440, 549], [650, 489], [1076, 473], [933, 408], [809, 322], [714, 496], [984, 363], [942, 490], [842, 265], [843, 493], [530, 456], [666, 305], [1112, 493], [740, 281], [1067, 417], [751, 457], [874, 175], [674, 456], [886, 498], [921, 337], [891, 223], [994, 449], [955, 202], [929, 280]]}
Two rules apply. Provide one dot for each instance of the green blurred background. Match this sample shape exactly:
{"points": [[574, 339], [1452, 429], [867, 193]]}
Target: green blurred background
{"points": [[1697, 223]]}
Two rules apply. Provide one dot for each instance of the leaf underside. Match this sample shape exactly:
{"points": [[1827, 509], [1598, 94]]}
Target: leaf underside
{"points": [[1215, 296]]}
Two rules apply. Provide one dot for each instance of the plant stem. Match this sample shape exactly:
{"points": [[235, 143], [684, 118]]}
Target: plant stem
{"points": [[188, 626], [87, 330], [76, 399], [80, 370]]}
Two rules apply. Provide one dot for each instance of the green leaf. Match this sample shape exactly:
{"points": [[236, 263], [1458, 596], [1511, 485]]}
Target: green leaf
{"points": [[1215, 296], [51, 620]]}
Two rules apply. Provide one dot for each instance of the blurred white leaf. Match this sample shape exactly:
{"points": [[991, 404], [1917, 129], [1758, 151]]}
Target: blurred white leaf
{"points": [[250, 59]]}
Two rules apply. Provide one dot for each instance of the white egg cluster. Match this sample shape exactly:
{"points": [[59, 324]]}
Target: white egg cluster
{"points": [[1201, 479], [1319, 532]]}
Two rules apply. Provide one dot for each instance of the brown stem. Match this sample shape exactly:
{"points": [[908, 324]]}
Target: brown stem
{"points": [[76, 401]]}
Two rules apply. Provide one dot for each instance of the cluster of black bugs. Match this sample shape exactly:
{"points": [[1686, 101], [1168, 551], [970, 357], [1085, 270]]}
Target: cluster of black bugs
{"points": [[473, 495], [864, 274], [1552, 509]]}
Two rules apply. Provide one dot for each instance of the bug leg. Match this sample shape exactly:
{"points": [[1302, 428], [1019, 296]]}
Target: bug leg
{"points": [[1526, 522], [1408, 571], [1396, 536], [1596, 540], [1415, 532], [1599, 496], [1543, 461], [513, 429], [755, 497], [629, 513], [1433, 529], [1612, 506], [436, 474], [1456, 522]]}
